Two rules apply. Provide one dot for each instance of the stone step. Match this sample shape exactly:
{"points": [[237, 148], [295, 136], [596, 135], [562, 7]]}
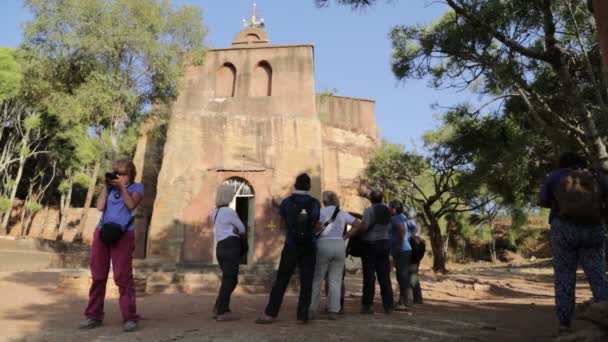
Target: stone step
{"points": [[79, 281], [169, 282]]}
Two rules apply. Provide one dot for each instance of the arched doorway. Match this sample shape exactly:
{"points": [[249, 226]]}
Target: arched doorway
{"points": [[243, 203]]}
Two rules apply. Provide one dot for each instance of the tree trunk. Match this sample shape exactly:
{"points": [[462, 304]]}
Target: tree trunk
{"points": [[591, 132], [27, 225], [114, 141], [45, 220], [24, 216], [7, 214], [596, 140], [5, 157], [64, 211], [600, 11], [436, 242], [446, 244], [87, 203], [492, 245]]}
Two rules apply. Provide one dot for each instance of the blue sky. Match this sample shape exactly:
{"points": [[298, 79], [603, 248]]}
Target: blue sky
{"points": [[352, 51]]}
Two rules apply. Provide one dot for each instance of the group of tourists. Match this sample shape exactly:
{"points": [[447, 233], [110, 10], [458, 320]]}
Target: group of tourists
{"points": [[318, 240], [316, 244]]}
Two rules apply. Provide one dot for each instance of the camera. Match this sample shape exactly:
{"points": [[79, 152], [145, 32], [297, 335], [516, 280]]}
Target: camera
{"points": [[111, 175]]}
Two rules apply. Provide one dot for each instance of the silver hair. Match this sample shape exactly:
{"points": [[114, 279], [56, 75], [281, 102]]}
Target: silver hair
{"points": [[224, 195], [410, 213], [330, 198]]}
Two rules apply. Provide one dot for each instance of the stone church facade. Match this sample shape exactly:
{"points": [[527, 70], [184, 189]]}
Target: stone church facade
{"points": [[247, 116]]}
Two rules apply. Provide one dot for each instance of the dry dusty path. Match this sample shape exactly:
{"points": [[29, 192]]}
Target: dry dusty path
{"points": [[472, 303]]}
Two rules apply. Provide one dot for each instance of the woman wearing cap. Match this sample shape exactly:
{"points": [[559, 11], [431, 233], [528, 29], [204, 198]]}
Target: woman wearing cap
{"points": [[119, 197]]}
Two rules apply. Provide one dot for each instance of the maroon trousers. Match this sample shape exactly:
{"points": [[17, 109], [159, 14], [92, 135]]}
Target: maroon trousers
{"points": [[121, 255]]}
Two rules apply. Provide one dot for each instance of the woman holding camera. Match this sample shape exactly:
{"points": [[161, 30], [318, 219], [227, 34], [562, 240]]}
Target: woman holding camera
{"points": [[114, 241], [229, 232]]}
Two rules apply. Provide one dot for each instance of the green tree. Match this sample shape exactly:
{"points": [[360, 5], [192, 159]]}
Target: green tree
{"points": [[11, 75], [505, 150], [542, 54], [24, 143], [99, 67], [433, 185]]}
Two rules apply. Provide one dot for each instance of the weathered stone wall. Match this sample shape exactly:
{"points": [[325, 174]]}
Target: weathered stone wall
{"points": [[220, 127], [45, 223], [148, 160], [266, 140], [347, 113], [349, 139]]}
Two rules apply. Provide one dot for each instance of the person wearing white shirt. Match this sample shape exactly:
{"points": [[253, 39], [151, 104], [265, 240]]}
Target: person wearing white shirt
{"points": [[227, 229], [331, 252]]}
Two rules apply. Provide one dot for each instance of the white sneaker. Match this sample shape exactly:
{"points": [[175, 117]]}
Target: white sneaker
{"points": [[129, 326]]}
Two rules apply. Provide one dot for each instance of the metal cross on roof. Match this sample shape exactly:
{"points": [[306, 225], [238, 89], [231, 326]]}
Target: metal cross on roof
{"points": [[253, 21]]}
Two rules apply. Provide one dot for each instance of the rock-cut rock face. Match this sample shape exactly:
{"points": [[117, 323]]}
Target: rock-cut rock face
{"points": [[249, 116]]}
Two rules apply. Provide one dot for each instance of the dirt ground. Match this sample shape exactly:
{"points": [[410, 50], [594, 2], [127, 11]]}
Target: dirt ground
{"points": [[480, 302]]}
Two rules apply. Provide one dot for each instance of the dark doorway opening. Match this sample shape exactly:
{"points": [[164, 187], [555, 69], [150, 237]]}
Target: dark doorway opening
{"points": [[242, 210]]}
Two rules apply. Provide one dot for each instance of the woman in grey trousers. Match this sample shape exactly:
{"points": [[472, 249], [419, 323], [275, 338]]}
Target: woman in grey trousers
{"points": [[331, 252]]}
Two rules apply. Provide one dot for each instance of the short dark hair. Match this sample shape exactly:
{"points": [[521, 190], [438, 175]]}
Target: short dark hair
{"points": [[570, 160], [302, 182], [376, 196], [397, 205]]}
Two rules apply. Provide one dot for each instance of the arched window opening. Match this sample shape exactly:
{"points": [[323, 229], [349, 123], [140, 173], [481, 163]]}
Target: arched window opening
{"points": [[262, 80], [241, 187], [252, 37], [225, 82]]}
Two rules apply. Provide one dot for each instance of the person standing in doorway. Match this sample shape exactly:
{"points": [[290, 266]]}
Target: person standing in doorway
{"points": [[114, 241], [300, 218], [228, 230]]}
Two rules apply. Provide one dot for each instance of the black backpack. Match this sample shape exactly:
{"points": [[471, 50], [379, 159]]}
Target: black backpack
{"points": [[418, 249], [356, 244], [579, 197], [302, 220], [382, 214], [112, 232]]}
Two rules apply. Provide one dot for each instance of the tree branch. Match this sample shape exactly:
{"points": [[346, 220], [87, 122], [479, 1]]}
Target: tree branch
{"points": [[515, 46]]}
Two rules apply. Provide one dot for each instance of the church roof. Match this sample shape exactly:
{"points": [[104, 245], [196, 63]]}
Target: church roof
{"points": [[251, 36]]}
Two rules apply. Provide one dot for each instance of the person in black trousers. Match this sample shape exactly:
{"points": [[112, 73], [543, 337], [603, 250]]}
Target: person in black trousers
{"points": [[418, 250], [300, 218], [375, 259], [228, 229]]}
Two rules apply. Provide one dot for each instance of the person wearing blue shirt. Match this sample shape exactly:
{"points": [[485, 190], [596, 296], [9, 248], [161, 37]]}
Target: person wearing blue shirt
{"points": [[118, 199], [401, 251]]}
